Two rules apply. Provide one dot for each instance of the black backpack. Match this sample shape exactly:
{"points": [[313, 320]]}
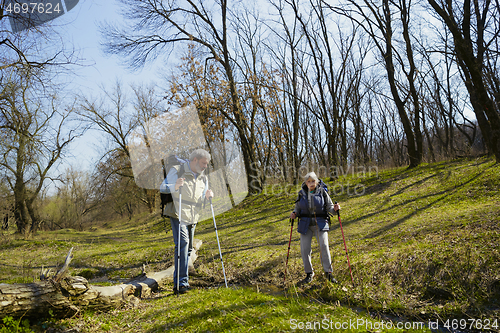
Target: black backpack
{"points": [[323, 185], [171, 161]]}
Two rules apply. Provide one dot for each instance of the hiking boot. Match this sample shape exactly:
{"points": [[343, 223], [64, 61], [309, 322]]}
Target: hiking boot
{"points": [[330, 277], [182, 290], [308, 278]]}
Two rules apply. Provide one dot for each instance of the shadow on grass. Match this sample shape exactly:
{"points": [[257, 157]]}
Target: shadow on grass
{"points": [[378, 188], [246, 247], [417, 183], [212, 317], [443, 194]]}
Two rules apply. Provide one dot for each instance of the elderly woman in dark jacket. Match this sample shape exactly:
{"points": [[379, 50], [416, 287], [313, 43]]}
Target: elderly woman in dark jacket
{"points": [[312, 208]]}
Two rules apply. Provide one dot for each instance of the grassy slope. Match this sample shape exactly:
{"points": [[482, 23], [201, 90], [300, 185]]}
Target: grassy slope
{"points": [[423, 243]]}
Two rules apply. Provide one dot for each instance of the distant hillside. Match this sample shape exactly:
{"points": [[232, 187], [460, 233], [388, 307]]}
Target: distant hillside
{"points": [[423, 245], [422, 240]]}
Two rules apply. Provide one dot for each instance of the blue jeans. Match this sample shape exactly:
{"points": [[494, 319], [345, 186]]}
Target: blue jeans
{"points": [[186, 244]]}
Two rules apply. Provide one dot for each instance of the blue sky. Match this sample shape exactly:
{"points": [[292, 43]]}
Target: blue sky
{"points": [[79, 30]]}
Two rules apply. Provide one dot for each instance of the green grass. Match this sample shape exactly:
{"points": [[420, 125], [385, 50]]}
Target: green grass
{"points": [[423, 244], [228, 310], [116, 250]]}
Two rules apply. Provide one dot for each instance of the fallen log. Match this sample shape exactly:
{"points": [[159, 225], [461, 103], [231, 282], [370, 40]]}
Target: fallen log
{"points": [[64, 296]]}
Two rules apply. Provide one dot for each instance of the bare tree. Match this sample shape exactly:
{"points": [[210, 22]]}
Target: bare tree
{"points": [[116, 118], [154, 26], [71, 205], [38, 49], [445, 99], [35, 134], [317, 64], [287, 58], [475, 30], [377, 20], [34, 125]]}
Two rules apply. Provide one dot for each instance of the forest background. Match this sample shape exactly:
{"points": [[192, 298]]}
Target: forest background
{"points": [[345, 87]]}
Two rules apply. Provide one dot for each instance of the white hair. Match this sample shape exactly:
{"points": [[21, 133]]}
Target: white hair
{"points": [[312, 175], [199, 153]]}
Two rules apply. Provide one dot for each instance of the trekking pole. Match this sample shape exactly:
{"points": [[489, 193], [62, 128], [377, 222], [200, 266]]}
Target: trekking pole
{"points": [[289, 242], [179, 242], [218, 243], [345, 246]]}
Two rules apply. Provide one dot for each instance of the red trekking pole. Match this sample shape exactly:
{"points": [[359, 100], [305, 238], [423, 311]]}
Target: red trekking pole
{"points": [[345, 246], [289, 242]]}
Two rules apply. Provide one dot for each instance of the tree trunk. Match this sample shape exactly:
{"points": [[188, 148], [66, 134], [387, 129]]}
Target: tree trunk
{"points": [[405, 19], [20, 211], [470, 58], [400, 105], [64, 295]]}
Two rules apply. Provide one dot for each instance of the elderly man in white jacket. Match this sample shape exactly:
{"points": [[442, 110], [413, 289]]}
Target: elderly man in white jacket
{"points": [[190, 178]]}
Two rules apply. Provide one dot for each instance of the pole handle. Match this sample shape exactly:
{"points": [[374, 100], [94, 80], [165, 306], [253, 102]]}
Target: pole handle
{"points": [[338, 211]]}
